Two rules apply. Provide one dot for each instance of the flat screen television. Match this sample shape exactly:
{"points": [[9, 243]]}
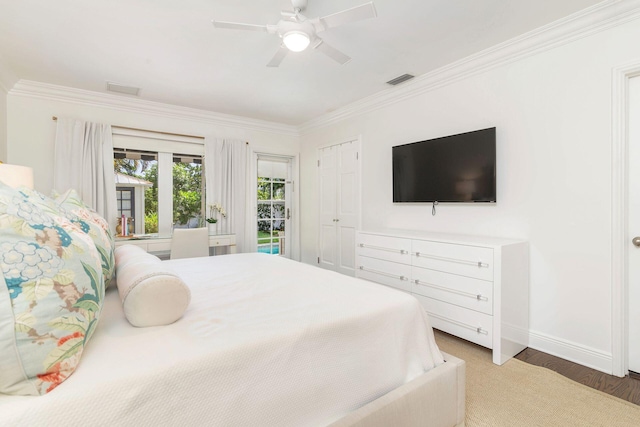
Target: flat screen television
{"points": [[456, 168]]}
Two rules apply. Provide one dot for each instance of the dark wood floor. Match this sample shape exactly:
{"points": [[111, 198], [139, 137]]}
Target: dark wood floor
{"points": [[625, 388]]}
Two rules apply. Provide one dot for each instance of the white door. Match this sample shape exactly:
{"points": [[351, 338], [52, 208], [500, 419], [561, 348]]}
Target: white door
{"points": [[633, 260], [339, 206], [274, 214], [327, 163], [347, 207]]}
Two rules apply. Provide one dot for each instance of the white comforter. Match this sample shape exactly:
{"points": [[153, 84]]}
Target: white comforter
{"points": [[265, 342]]}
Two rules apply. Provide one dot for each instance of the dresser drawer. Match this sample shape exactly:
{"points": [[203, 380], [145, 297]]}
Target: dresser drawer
{"points": [[216, 241], [385, 272], [462, 291], [461, 322], [470, 261], [158, 246], [384, 247]]}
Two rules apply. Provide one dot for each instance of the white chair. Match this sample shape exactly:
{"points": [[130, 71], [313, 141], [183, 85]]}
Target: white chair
{"points": [[189, 243]]}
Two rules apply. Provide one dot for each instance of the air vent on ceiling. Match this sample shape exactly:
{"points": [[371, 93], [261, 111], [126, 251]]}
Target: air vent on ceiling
{"points": [[128, 90], [400, 79]]}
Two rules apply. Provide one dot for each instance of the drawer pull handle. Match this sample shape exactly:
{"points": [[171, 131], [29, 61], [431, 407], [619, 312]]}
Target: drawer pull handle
{"points": [[371, 270], [479, 264], [478, 297], [477, 329], [380, 248]]}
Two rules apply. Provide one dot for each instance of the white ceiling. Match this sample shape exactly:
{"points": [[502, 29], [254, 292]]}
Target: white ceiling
{"points": [[171, 51]]}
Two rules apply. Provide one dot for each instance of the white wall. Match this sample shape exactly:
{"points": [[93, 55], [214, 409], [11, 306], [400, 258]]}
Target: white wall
{"points": [[31, 130], [7, 79], [552, 111], [3, 124]]}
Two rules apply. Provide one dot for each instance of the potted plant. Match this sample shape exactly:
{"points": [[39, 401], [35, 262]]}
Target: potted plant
{"points": [[212, 219]]}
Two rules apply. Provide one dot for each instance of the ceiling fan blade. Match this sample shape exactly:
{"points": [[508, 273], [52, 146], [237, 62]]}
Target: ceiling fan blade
{"points": [[278, 57], [331, 52], [364, 11], [288, 14], [240, 26]]}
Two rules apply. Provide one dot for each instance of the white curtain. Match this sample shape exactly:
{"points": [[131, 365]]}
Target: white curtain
{"points": [[83, 160], [226, 167]]}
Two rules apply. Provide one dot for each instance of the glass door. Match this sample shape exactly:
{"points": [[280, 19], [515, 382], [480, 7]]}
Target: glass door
{"points": [[273, 205]]}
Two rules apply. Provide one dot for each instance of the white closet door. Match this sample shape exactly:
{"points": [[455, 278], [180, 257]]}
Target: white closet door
{"points": [[338, 176], [347, 207], [328, 201], [633, 261]]}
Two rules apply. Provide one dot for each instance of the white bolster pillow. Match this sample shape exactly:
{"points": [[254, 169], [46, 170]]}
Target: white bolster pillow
{"points": [[151, 294]]}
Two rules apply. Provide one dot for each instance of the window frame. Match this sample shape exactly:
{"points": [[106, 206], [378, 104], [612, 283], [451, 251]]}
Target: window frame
{"points": [[166, 146], [131, 190]]}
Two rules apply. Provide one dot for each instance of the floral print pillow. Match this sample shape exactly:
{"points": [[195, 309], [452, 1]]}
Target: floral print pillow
{"points": [[51, 294], [94, 225]]}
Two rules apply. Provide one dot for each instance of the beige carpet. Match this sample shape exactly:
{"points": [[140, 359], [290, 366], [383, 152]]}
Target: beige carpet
{"points": [[520, 394]]}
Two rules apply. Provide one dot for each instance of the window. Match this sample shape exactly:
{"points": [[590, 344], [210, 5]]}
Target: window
{"points": [[136, 188], [272, 175], [126, 200], [188, 191], [167, 177]]}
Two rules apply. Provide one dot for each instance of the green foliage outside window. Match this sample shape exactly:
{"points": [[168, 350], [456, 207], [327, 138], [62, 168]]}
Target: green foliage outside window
{"points": [[264, 189], [126, 166], [187, 190], [151, 222]]}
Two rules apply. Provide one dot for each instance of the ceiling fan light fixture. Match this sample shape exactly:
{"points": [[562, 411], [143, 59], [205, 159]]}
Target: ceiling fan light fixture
{"points": [[296, 41]]}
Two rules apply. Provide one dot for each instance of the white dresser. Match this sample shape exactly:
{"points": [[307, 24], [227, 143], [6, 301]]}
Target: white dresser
{"points": [[476, 288]]}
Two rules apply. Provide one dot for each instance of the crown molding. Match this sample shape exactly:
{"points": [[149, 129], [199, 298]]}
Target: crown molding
{"points": [[32, 89], [602, 16]]}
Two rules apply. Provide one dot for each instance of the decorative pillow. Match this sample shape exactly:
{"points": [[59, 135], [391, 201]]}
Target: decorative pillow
{"points": [[94, 225], [51, 294], [152, 295]]}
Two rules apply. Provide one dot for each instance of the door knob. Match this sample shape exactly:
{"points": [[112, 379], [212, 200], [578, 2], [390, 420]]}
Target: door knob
{"points": [[636, 241]]}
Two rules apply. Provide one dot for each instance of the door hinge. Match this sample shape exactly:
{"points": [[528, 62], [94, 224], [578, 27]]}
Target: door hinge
{"points": [[318, 260], [318, 163], [357, 155]]}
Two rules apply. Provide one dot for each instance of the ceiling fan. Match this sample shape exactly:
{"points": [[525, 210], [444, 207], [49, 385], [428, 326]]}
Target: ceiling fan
{"points": [[298, 32]]}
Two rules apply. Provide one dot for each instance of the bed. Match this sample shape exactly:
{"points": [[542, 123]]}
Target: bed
{"points": [[265, 341]]}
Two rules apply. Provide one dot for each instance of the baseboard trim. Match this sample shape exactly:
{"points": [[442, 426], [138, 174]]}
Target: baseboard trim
{"points": [[571, 351]]}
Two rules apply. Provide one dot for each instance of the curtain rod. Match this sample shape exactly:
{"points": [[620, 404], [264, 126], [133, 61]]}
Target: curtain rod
{"points": [[54, 118]]}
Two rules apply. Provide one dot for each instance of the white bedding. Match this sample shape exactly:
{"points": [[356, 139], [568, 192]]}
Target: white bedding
{"points": [[265, 342]]}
